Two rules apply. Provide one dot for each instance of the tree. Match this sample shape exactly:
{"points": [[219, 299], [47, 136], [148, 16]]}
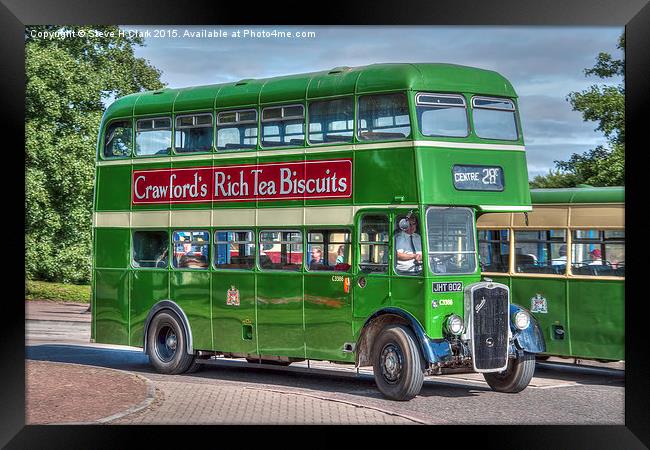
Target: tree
{"points": [[67, 81], [604, 104]]}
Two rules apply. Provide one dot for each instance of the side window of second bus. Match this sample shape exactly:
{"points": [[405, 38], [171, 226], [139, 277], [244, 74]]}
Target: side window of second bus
{"points": [[494, 250], [598, 252], [540, 251]]}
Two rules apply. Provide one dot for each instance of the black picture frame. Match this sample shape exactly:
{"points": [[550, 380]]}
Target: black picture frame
{"points": [[633, 14]]}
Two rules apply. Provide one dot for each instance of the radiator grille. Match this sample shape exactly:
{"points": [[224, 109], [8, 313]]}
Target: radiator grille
{"points": [[490, 324]]}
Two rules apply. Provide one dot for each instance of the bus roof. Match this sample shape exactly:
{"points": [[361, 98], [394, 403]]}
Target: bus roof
{"points": [[435, 77], [613, 194]]}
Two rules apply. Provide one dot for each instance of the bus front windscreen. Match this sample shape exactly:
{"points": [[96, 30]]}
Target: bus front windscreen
{"points": [[450, 234]]}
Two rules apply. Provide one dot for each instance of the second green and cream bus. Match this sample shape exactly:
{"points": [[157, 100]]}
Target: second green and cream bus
{"points": [[565, 261], [323, 216]]}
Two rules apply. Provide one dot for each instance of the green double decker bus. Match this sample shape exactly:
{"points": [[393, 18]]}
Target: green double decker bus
{"points": [[322, 216], [565, 261]]}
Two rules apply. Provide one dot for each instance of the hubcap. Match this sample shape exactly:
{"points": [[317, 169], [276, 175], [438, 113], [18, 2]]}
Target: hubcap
{"points": [[166, 343], [391, 363]]}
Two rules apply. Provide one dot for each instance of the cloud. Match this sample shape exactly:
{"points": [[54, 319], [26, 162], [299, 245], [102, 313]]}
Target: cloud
{"points": [[544, 64]]}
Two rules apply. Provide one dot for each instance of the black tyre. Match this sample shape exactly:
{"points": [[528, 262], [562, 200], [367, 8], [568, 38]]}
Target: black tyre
{"points": [[516, 376], [397, 363], [195, 366], [166, 345]]}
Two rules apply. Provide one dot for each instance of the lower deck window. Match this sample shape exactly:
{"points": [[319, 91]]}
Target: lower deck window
{"points": [[328, 250], [191, 249], [281, 250], [234, 250], [150, 249]]}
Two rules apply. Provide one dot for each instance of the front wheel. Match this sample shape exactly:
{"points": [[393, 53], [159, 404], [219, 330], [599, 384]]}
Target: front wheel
{"points": [[397, 363], [516, 376], [166, 344]]}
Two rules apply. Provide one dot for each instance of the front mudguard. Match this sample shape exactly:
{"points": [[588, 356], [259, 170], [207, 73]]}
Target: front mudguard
{"points": [[531, 339]]}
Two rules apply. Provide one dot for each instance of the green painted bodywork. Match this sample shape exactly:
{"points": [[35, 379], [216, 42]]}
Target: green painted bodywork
{"points": [[590, 312], [300, 314]]}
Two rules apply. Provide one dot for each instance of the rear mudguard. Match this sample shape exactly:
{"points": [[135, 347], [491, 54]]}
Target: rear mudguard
{"points": [[531, 339]]}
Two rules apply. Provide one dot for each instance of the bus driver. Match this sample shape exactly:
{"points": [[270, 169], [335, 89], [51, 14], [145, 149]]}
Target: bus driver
{"points": [[408, 246]]}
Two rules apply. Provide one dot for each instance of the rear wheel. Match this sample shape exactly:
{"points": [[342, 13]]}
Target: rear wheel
{"points": [[166, 344], [397, 363], [516, 376]]}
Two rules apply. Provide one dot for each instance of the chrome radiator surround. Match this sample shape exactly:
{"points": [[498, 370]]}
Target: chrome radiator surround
{"points": [[501, 332]]}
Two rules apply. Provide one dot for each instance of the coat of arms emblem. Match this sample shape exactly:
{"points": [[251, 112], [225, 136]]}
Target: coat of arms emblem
{"points": [[538, 304], [232, 299]]}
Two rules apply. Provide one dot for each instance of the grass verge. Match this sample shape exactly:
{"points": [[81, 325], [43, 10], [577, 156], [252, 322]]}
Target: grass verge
{"points": [[58, 292]]}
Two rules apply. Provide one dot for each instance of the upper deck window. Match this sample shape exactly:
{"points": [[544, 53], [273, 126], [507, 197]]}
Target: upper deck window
{"points": [[384, 117], [442, 115], [331, 120], [153, 136], [494, 118], [118, 139], [193, 133], [283, 126], [237, 129]]}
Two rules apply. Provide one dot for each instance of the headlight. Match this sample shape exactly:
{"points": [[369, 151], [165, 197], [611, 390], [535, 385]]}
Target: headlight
{"points": [[454, 325], [522, 320]]}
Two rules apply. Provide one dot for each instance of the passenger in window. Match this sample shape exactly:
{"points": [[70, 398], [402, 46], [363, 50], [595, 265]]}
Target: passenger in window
{"points": [[408, 246], [316, 262], [340, 257], [561, 260], [596, 258]]}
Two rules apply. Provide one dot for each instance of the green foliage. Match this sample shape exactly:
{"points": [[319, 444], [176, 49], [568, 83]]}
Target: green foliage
{"points": [[554, 179], [66, 81], [43, 290], [604, 104]]}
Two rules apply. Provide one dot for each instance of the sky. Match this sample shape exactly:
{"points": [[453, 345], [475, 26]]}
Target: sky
{"points": [[544, 64]]}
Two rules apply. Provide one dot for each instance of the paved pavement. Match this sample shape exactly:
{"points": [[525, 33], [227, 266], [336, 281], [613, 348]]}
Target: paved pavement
{"points": [[233, 391]]}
